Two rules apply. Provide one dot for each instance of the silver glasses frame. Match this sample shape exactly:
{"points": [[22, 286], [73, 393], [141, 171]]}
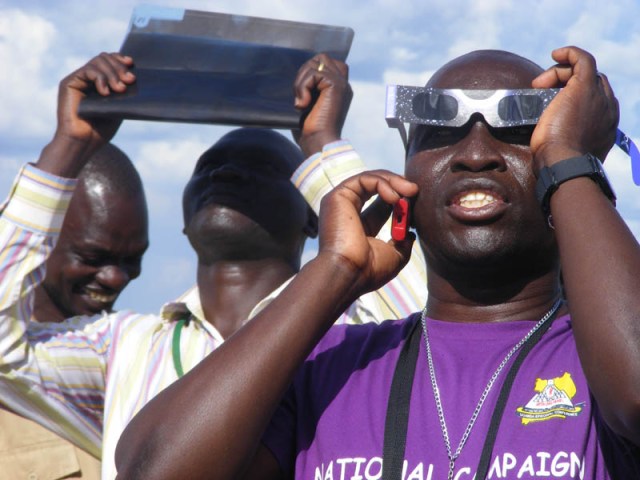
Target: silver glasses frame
{"points": [[400, 98], [399, 110]]}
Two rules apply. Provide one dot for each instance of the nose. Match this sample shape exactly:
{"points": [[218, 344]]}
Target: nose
{"points": [[479, 151], [114, 277]]}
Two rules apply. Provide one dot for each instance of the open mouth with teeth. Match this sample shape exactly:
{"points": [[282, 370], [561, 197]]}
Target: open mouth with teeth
{"points": [[476, 199], [102, 297]]}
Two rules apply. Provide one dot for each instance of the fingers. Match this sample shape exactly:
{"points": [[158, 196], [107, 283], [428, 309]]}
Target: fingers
{"points": [[603, 81], [111, 72], [582, 63], [106, 72], [389, 187], [554, 77], [576, 65], [357, 190], [320, 72], [375, 215], [573, 63], [323, 94], [583, 116], [346, 234]]}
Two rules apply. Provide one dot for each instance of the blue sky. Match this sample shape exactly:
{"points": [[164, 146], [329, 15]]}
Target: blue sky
{"points": [[401, 42]]}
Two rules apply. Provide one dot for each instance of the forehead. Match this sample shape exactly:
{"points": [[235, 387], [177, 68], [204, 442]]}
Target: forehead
{"points": [[486, 69], [102, 217]]}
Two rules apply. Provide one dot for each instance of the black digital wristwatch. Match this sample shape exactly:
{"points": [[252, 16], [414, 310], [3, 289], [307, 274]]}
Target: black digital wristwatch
{"points": [[550, 178]]}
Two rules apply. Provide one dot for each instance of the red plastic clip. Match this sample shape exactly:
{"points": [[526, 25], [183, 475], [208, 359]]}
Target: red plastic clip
{"points": [[400, 220]]}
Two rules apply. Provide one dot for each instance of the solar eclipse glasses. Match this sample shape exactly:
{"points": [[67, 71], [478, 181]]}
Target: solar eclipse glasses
{"points": [[499, 108]]}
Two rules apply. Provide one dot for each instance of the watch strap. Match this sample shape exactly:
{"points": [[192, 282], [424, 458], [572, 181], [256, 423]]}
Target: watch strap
{"points": [[550, 178]]}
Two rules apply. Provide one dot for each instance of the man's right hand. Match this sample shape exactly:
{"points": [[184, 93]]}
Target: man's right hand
{"points": [[349, 236], [77, 138], [323, 93]]}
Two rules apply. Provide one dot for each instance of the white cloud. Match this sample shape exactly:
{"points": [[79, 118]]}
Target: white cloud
{"points": [[26, 94], [169, 160], [395, 42], [8, 168], [379, 145], [403, 54], [403, 77], [25, 37]]}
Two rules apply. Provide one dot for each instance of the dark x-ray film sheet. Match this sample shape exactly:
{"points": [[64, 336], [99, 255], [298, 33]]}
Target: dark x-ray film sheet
{"points": [[205, 67]]}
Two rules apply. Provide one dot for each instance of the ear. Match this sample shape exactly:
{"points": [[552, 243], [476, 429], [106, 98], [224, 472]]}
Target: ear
{"points": [[311, 228]]}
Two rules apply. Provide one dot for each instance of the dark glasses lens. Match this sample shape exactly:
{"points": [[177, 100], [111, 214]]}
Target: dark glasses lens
{"points": [[434, 106], [520, 108]]}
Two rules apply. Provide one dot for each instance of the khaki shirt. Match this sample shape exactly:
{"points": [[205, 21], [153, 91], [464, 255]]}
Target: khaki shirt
{"points": [[31, 452]]}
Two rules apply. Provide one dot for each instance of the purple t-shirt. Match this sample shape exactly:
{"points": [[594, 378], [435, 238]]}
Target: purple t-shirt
{"points": [[331, 423]]}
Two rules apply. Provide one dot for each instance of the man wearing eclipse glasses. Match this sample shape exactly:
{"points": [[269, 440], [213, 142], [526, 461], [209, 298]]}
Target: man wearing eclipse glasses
{"points": [[501, 108], [506, 372]]}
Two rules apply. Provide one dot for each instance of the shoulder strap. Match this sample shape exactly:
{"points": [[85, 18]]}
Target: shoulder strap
{"points": [[175, 347], [397, 421]]}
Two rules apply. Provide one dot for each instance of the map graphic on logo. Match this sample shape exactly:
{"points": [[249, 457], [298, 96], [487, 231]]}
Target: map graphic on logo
{"points": [[552, 400]]}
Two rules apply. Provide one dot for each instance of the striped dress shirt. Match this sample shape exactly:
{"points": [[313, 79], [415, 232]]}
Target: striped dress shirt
{"points": [[85, 378]]}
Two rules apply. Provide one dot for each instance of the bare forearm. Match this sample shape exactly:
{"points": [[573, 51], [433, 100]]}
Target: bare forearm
{"points": [[225, 403], [64, 156], [77, 138], [601, 269], [214, 417]]}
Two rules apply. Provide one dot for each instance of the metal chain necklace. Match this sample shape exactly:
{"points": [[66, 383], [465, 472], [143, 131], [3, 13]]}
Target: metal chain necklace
{"points": [[453, 456]]}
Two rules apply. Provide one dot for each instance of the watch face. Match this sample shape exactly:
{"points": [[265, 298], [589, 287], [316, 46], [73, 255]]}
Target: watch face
{"points": [[600, 177]]}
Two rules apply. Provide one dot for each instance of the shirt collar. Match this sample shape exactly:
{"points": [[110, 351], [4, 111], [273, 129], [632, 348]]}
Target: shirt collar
{"points": [[188, 305]]}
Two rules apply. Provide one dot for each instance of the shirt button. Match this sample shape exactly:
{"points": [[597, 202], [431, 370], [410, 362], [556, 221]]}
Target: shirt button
{"points": [[33, 476]]}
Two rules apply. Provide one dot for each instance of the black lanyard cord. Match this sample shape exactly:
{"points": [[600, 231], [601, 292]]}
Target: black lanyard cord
{"points": [[397, 420], [501, 403]]}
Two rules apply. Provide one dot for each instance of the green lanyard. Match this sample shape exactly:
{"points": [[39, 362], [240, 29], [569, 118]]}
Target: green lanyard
{"points": [[175, 347]]}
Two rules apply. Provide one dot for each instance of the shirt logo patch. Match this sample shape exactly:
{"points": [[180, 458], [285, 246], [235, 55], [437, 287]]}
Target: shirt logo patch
{"points": [[552, 400]]}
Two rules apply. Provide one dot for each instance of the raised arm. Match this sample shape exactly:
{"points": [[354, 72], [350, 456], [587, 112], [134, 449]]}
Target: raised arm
{"points": [[76, 138], [600, 257], [30, 222], [32, 217], [323, 93], [226, 402]]}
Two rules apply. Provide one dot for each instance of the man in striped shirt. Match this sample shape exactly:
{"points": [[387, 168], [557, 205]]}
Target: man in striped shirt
{"points": [[86, 272], [86, 378]]}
